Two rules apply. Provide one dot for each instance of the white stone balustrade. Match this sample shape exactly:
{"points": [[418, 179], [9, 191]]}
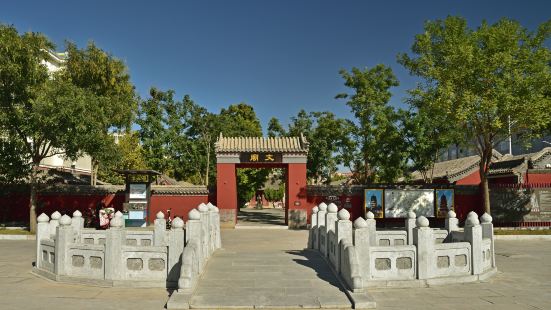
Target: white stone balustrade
{"points": [[417, 255], [66, 251]]}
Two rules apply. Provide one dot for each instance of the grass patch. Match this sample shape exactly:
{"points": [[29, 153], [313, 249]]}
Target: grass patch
{"points": [[522, 232], [14, 232]]}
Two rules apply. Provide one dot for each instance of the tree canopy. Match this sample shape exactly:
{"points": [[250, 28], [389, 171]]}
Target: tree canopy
{"points": [[483, 80]]}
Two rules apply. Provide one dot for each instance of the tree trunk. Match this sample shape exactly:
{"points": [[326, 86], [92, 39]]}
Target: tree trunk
{"points": [[484, 166], [485, 194], [208, 165], [94, 172], [32, 206]]}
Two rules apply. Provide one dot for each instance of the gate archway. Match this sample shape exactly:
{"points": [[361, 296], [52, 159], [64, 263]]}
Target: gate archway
{"points": [[289, 153]]}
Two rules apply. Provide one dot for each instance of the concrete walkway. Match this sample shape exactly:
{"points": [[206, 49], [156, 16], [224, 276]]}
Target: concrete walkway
{"points": [[267, 269]]}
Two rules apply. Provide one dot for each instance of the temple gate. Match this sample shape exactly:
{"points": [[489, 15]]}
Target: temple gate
{"points": [[289, 153]]}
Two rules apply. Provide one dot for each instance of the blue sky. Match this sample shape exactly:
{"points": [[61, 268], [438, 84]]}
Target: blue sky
{"points": [[279, 56]]}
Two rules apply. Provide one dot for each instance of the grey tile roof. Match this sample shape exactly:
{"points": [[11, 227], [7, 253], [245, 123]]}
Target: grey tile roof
{"points": [[261, 144]]}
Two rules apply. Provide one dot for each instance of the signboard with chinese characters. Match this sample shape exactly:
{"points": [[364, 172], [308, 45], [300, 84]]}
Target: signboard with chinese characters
{"points": [[260, 158]]}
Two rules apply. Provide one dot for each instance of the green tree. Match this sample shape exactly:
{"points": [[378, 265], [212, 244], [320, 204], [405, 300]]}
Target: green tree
{"points": [[479, 78], [40, 115], [275, 129], [114, 106], [153, 132], [128, 156], [381, 153]]}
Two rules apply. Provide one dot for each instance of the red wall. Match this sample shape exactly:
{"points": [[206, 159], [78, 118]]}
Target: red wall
{"points": [[534, 178], [296, 189], [17, 205], [471, 179], [226, 187], [180, 205]]}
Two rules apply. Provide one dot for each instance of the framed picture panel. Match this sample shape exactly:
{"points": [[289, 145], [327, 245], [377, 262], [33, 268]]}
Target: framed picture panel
{"points": [[398, 202], [444, 201], [374, 202]]}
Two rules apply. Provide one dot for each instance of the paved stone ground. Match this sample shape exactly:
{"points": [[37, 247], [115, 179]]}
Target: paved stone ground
{"points": [[523, 281], [262, 217], [19, 289], [265, 269]]}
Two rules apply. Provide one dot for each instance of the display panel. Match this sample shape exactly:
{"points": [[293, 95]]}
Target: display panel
{"points": [[374, 202], [138, 191], [398, 202], [444, 202]]}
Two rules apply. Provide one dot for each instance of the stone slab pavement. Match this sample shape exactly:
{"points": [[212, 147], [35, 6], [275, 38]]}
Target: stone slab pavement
{"points": [[267, 269], [523, 280]]}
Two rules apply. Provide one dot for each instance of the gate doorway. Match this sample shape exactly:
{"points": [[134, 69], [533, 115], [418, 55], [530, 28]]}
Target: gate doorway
{"points": [[286, 153]]}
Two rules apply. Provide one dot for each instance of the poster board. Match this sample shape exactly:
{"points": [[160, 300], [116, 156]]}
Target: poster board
{"points": [[445, 202], [398, 202], [374, 202], [138, 191]]}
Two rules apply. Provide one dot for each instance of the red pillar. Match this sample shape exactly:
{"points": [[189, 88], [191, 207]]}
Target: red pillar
{"points": [[296, 187], [226, 193]]}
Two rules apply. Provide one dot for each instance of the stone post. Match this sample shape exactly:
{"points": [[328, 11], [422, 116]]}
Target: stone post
{"points": [[119, 214], [193, 234], [371, 228], [424, 240], [54, 222], [64, 237], [451, 223], [488, 233], [115, 239], [313, 234], [362, 243], [77, 223], [322, 230], [410, 225], [159, 233], [330, 220], [343, 234], [42, 232], [218, 238], [175, 249], [473, 235], [205, 223], [212, 228]]}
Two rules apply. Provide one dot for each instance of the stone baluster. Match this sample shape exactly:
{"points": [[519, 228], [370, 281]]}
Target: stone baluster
{"points": [[77, 223], [343, 234], [218, 238], [176, 240], [54, 222], [212, 228], [473, 235], [119, 214], [42, 232], [64, 237], [322, 230], [410, 225], [424, 240], [313, 234], [159, 233], [330, 220], [115, 239], [204, 211], [451, 223], [194, 229], [362, 243], [488, 233], [371, 228]]}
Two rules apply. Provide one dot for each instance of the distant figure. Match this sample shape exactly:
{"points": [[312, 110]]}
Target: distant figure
{"points": [[259, 201]]}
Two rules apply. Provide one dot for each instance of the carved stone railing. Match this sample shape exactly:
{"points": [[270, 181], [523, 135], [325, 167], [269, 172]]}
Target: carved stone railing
{"points": [[416, 256], [68, 252]]}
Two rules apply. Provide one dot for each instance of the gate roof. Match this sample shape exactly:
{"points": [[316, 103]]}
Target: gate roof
{"points": [[261, 144]]}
